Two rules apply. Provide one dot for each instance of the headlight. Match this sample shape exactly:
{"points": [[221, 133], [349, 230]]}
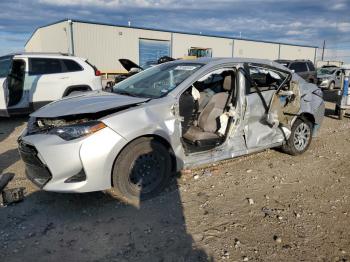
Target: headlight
{"points": [[78, 130]]}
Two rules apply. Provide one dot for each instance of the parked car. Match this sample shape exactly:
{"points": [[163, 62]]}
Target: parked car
{"points": [[304, 68], [329, 77], [30, 80], [171, 116]]}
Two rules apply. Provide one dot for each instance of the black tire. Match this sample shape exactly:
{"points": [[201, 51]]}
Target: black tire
{"points": [[141, 171], [293, 145], [331, 85]]}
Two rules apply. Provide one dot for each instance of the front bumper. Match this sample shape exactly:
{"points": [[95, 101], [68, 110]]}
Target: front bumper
{"points": [[35, 169], [51, 161]]}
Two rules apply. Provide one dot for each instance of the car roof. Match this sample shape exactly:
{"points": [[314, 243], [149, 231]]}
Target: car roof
{"points": [[42, 54], [235, 60]]}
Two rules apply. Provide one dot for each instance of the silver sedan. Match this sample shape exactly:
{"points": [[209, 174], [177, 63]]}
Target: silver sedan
{"points": [[172, 116]]}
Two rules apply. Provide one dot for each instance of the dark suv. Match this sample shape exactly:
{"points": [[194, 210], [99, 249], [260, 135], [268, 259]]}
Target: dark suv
{"points": [[304, 68]]}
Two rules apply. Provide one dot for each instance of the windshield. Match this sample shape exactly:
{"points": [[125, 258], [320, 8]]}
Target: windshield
{"points": [[156, 81], [5, 64], [326, 71]]}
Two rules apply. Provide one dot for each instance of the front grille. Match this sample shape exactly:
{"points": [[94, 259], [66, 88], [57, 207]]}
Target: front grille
{"points": [[29, 154], [38, 175], [36, 171]]}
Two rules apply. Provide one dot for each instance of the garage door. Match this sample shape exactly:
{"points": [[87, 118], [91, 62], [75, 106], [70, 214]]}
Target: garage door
{"points": [[151, 50]]}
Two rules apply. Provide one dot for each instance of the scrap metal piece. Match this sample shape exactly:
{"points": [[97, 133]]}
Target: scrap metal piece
{"points": [[13, 195]]}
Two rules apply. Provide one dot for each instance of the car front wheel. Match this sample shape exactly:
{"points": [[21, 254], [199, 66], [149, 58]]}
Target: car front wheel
{"points": [[300, 138], [141, 170]]}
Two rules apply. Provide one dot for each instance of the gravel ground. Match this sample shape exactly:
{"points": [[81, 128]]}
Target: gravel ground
{"points": [[263, 207]]}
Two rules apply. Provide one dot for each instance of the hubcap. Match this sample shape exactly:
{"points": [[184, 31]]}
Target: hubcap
{"points": [[302, 136], [146, 173]]}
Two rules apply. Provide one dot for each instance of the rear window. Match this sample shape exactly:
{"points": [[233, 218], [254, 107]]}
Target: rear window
{"points": [[42, 66], [71, 66], [298, 67], [5, 64]]}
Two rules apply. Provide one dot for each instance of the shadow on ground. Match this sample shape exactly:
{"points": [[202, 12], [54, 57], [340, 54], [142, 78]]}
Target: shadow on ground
{"points": [[8, 158], [330, 95], [96, 227], [8, 125]]}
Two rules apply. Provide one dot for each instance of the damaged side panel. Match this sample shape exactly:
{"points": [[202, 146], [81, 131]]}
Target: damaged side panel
{"points": [[259, 133]]}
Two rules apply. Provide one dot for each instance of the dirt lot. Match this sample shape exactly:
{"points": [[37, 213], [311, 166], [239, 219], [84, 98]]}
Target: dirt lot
{"points": [[263, 207]]}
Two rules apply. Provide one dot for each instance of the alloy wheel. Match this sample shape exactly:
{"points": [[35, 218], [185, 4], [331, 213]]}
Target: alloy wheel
{"points": [[302, 136]]}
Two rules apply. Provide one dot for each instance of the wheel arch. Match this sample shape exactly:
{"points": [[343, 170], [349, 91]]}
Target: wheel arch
{"points": [[159, 139], [70, 89], [308, 116]]}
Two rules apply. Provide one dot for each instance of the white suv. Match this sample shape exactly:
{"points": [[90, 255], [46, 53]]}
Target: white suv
{"points": [[28, 81]]}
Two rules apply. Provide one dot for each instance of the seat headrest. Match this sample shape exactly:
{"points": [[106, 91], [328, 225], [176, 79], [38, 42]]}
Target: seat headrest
{"points": [[227, 83]]}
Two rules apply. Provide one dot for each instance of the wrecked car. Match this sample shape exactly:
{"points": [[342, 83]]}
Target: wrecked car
{"points": [[172, 116]]}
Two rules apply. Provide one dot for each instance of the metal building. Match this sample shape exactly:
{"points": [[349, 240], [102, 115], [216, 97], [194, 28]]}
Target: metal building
{"points": [[103, 44]]}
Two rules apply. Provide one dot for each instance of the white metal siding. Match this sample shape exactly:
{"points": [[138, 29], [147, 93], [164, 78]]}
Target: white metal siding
{"points": [[297, 52], [104, 45], [53, 38], [252, 49], [222, 47], [34, 44]]}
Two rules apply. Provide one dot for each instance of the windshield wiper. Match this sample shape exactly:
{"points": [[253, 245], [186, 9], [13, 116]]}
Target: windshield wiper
{"points": [[125, 93]]}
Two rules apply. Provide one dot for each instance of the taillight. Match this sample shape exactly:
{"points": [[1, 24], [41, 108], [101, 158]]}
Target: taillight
{"points": [[97, 72]]}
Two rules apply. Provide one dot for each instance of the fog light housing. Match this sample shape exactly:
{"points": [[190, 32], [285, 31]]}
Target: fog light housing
{"points": [[81, 176]]}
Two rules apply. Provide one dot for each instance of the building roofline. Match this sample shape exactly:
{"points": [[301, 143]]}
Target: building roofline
{"points": [[166, 31], [36, 29]]}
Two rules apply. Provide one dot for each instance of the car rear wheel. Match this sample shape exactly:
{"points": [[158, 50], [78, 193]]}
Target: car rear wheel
{"points": [[300, 138], [141, 170], [331, 86]]}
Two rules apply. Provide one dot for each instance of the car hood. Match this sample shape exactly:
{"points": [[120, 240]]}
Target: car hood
{"points": [[128, 64], [87, 103]]}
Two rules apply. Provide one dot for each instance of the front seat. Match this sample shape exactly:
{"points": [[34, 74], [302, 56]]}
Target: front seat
{"points": [[208, 121]]}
